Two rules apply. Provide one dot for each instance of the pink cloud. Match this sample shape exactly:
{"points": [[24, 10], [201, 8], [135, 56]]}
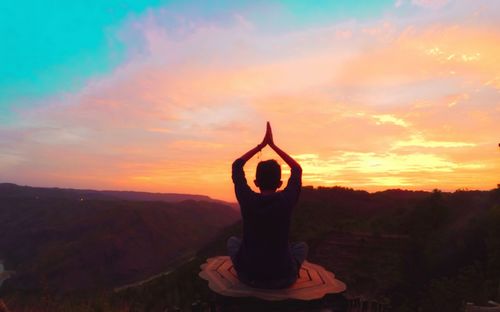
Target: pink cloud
{"points": [[430, 3]]}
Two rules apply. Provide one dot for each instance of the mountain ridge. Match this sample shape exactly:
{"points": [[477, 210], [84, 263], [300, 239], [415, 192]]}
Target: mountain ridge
{"points": [[111, 194]]}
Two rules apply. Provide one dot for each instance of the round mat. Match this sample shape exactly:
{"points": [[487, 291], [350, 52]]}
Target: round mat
{"points": [[313, 283]]}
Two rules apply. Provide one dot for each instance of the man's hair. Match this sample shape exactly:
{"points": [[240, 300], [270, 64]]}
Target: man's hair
{"points": [[268, 174]]}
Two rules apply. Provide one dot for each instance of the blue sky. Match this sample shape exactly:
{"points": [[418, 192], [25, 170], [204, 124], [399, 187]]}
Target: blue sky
{"points": [[54, 46]]}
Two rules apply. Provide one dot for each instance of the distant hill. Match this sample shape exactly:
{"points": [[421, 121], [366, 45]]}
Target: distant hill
{"points": [[13, 190], [66, 239]]}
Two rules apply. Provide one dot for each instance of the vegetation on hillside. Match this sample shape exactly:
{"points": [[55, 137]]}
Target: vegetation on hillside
{"points": [[73, 244], [412, 251]]}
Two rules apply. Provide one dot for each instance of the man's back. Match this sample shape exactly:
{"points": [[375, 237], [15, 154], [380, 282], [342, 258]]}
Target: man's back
{"points": [[264, 255]]}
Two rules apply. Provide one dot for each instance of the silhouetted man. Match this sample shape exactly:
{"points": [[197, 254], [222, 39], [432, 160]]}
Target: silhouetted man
{"points": [[264, 258]]}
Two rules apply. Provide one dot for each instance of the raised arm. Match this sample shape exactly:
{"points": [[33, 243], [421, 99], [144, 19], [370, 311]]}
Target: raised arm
{"points": [[287, 158], [267, 138], [252, 152], [238, 174], [294, 185]]}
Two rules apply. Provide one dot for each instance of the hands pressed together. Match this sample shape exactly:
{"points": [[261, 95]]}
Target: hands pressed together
{"points": [[268, 137], [268, 140]]}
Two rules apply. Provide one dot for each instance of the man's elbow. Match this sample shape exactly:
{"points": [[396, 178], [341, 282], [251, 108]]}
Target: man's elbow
{"points": [[237, 164]]}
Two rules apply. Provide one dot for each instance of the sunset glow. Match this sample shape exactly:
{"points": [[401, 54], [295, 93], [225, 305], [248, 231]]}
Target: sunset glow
{"points": [[404, 94]]}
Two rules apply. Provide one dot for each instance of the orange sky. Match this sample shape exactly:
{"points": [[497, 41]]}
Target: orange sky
{"points": [[391, 102]]}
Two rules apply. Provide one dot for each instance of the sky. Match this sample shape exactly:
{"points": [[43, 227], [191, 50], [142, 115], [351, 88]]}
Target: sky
{"points": [[162, 96]]}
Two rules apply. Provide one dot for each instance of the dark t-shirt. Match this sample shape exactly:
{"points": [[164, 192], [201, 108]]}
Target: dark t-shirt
{"points": [[264, 254]]}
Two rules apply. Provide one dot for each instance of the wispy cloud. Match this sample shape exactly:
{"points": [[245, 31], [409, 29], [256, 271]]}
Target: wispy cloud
{"points": [[387, 118]]}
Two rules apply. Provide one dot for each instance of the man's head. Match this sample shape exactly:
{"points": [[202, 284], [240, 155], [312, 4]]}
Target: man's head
{"points": [[268, 175]]}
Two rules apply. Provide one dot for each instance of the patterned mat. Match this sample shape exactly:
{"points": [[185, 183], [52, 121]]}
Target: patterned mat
{"points": [[314, 282]]}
